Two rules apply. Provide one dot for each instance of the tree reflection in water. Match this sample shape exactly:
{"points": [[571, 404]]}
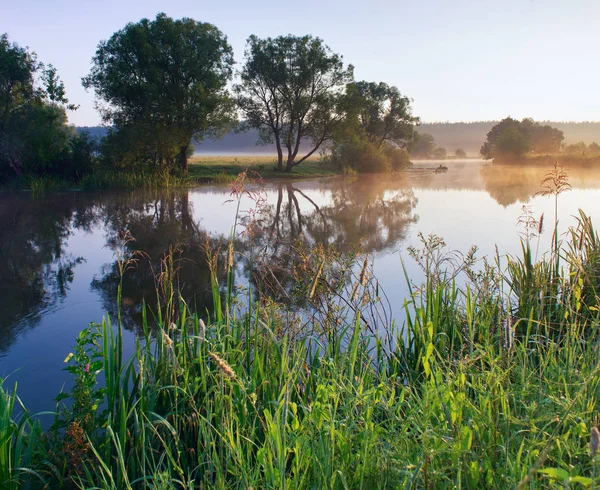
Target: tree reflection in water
{"points": [[36, 270], [370, 214]]}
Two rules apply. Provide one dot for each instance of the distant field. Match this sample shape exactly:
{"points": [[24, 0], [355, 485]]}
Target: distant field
{"points": [[226, 168]]}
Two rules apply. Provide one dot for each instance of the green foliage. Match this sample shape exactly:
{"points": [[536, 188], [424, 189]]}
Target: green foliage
{"points": [[422, 145], [398, 157], [291, 90], [439, 153], [384, 114], [34, 136], [244, 401], [164, 82], [581, 150], [359, 155], [511, 139]]}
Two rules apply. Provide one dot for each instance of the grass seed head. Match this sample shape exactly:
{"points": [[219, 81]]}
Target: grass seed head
{"points": [[594, 440], [223, 366]]}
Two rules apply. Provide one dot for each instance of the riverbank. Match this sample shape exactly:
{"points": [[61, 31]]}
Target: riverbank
{"points": [[202, 170], [567, 161], [227, 168], [492, 385]]}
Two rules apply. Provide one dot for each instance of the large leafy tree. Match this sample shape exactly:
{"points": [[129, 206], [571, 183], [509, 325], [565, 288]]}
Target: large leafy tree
{"points": [[506, 140], [422, 145], [384, 114], [542, 138], [165, 77], [293, 90], [511, 139], [34, 136]]}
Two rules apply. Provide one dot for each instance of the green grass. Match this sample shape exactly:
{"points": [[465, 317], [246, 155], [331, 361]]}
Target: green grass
{"points": [[218, 170], [224, 169], [495, 384]]}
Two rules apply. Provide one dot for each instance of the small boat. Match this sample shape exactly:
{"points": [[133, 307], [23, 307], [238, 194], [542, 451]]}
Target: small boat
{"points": [[441, 168]]}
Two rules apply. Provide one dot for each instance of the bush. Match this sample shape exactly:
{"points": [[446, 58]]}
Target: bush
{"points": [[359, 155], [398, 157]]}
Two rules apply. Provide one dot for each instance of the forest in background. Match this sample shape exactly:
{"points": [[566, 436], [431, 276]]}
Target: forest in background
{"points": [[466, 135]]}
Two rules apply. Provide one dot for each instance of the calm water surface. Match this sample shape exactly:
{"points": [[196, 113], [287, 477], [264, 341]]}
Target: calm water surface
{"points": [[59, 270]]}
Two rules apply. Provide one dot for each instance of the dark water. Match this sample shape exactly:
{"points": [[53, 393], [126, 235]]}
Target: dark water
{"points": [[59, 265]]}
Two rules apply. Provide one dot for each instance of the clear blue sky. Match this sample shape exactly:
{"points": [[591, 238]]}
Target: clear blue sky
{"points": [[460, 60]]}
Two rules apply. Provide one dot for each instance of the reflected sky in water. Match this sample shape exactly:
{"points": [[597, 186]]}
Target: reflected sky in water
{"points": [[59, 271]]}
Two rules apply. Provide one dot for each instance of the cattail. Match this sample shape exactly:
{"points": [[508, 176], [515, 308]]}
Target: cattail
{"points": [[223, 366], [541, 224], [594, 441]]}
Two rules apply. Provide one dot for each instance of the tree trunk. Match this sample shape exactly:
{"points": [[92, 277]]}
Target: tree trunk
{"points": [[186, 217], [183, 159], [279, 152]]}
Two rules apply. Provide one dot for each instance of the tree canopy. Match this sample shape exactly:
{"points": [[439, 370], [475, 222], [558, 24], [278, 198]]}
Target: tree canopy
{"points": [[422, 145], [165, 78], [384, 114], [511, 139], [292, 90], [34, 135]]}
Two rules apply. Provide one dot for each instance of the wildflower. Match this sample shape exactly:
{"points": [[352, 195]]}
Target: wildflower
{"points": [[594, 440], [86, 369]]}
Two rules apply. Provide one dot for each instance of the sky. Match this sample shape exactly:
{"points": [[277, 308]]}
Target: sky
{"points": [[459, 60]]}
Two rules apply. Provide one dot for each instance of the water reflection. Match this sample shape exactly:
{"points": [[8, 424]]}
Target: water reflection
{"points": [[59, 272], [159, 225], [36, 269], [368, 214], [509, 184], [372, 213]]}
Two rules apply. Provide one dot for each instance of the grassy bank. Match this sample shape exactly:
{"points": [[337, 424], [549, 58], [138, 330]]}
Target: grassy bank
{"points": [[495, 384], [202, 169], [226, 169]]}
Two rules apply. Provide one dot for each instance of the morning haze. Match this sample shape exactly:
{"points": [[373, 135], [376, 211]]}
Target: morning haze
{"points": [[316, 245]]}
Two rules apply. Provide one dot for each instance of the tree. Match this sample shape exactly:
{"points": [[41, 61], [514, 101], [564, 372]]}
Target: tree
{"points": [[422, 145], [511, 139], [34, 135], [576, 149], [460, 153], [292, 90], [384, 114], [440, 153], [594, 149], [542, 139], [165, 77], [506, 140]]}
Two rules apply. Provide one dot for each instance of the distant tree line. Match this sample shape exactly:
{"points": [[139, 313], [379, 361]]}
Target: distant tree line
{"points": [[511, 139], [469, 136]]}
